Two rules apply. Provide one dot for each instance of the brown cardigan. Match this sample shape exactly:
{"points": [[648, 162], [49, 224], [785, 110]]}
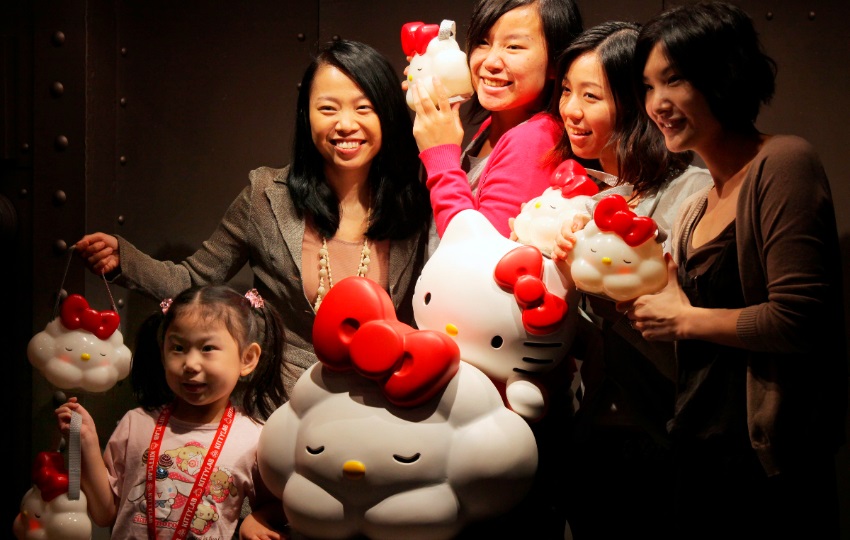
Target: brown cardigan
{"points": [[793, 325]]}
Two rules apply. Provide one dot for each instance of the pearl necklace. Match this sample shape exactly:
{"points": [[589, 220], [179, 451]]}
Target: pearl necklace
{"points": [[325, 268]]}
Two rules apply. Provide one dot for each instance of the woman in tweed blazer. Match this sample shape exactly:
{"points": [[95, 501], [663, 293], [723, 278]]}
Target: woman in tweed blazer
{"points": [[352, 182]]}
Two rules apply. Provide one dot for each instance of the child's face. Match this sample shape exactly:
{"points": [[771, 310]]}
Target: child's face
{"points": [[202, 364], [346, 129], [679, 110], [588, 111], [510, 66]]}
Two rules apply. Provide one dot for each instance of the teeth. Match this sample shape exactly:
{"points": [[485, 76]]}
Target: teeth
{"points": [[347, 145], [494, 82], [574, 131]]}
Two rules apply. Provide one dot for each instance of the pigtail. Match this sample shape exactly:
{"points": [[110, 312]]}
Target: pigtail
{"points": [[264, 391]]}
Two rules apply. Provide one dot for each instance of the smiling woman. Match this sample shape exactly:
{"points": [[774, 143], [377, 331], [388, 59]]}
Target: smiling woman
{"points": [[512, 46], [350, 203]]}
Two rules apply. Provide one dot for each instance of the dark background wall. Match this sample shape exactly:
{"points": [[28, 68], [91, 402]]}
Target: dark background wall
{"points": [[143, 118]]}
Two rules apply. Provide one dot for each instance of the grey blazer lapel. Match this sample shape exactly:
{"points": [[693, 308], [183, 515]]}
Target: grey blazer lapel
{"points": [[291, 228]]}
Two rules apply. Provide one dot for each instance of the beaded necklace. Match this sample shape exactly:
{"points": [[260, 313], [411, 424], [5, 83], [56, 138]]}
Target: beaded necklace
{"points": [[325, 268]]}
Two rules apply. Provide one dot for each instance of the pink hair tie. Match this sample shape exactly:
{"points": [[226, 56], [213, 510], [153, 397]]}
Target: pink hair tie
{"points": [[165, 304], [254, 297]]}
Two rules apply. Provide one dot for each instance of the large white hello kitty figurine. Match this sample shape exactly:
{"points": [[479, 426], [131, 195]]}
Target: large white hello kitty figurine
{"points": [[434, 52], [510, 310], [82, 348], [390, 435], [541, 218], [618, 254], [47, 513]]}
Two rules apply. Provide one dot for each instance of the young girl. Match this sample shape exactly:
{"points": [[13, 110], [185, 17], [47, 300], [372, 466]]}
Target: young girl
{"points": [[760, 404], [350, 203], [620, 429], [512, 46], [206, 372]]}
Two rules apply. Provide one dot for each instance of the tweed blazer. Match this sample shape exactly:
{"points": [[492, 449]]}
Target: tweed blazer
{"points": [[262, 229]]}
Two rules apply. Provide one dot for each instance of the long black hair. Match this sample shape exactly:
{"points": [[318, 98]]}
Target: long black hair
{"points": [[715, 47], [260, 394], [562, 22], [643, 159], [400, 204]]}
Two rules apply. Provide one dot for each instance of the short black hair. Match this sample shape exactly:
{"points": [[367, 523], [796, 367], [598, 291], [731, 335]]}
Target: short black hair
{"points": [[714, 46]]}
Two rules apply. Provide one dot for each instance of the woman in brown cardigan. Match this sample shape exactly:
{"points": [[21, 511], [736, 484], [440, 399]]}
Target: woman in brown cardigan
{"points": [[755, 302]]}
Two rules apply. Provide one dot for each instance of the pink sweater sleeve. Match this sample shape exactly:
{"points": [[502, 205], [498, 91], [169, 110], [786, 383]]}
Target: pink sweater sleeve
{"points": [[517, 170]]}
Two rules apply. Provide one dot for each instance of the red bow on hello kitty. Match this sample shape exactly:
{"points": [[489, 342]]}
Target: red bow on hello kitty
{"points": [[613, 214], [356, 328], [76, 313], [415, 37], [50, 475], [520, 272], [572, 178]]}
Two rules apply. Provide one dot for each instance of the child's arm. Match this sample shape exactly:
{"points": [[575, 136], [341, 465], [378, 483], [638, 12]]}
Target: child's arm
{"points": [[267, 520], [94, 479]]}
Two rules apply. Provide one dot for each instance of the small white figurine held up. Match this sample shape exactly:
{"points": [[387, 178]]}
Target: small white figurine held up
{"points": [[434, 52]]}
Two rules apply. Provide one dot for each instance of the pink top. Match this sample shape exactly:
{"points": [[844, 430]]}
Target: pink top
{"points": [[184, 446], [517, 170]]}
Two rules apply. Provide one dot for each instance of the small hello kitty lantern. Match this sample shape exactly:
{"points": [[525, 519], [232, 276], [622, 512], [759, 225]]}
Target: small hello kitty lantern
{"points": [[47, 510], [541, 218], [618, 254], [390, 435], [82, 348], [435, 53], [509, 309]]}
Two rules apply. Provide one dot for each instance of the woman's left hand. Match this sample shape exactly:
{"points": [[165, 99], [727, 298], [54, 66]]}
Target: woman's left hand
{"points": [[435, 123]]}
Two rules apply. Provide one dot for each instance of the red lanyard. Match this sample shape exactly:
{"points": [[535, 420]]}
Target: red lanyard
{"points": [[201, 479]]}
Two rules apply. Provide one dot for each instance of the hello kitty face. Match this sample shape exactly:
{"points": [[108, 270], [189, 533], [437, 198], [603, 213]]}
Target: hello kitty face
{"points": [[435, 53], [541, 218], [617, 254], [82, 348], [373, 442], [458, 294]]}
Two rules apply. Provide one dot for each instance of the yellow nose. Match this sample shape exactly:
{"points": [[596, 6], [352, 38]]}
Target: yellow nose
{"points": [[85, 357], [451, 329], [353, 470], [606, 260]]}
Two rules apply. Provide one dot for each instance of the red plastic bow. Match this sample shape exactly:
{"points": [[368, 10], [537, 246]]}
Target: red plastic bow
{"points": [[76, 313], [415, 37], [613, 214], [520, 272], [50, 475], [572, 178], [356, 328]]}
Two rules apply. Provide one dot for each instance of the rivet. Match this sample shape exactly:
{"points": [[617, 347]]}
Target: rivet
{"points": [[122, 160], [123, 102], [24, 192], [120, 302], [298, 86], [769, 15], [811, 15], [61, 142], [57, 89], [123, 51], [121, 220], [58, 38], [301, 36], [59, 197], [60, 246], [25, 147], [335, 38], [613, 407]]}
